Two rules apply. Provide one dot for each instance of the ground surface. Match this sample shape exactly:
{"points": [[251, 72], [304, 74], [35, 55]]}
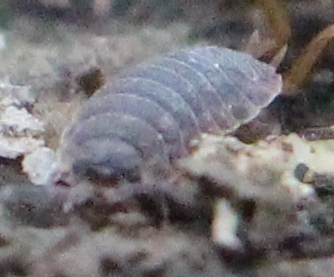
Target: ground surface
{"points": [[262, 209]]}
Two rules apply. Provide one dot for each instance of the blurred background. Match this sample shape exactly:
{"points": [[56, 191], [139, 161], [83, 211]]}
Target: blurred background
{"points": [[57, 52], [48, 43]]}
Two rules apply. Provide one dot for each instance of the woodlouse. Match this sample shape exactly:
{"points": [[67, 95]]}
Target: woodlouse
{"points": [[156, 110]]}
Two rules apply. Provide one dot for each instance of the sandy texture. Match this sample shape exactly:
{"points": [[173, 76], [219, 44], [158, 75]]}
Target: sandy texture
{"points": [[230, 209]]}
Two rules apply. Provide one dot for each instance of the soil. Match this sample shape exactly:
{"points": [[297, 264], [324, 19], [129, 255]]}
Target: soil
{"points": [[230, 209]]}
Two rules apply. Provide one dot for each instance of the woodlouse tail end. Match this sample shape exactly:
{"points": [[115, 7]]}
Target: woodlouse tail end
{"points": [[278, 58]]}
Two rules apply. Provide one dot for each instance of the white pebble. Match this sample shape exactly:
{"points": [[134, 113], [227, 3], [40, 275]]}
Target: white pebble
{"points": [[40, 165]]}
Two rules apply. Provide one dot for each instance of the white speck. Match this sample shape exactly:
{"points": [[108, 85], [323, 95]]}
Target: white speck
{"points": [[224, 226], [160, 137], [39, 165]]}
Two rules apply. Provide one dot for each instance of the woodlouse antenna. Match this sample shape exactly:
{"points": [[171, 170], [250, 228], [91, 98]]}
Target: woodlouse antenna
{"points": [[304, 63], [277, 17], [272, 49]]}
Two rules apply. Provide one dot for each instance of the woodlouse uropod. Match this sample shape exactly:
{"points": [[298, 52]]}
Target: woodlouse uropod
{"points": [[157, 109]]}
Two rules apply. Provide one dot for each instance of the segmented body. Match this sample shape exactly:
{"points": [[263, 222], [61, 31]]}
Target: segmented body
{"points": [[155, 110]]}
